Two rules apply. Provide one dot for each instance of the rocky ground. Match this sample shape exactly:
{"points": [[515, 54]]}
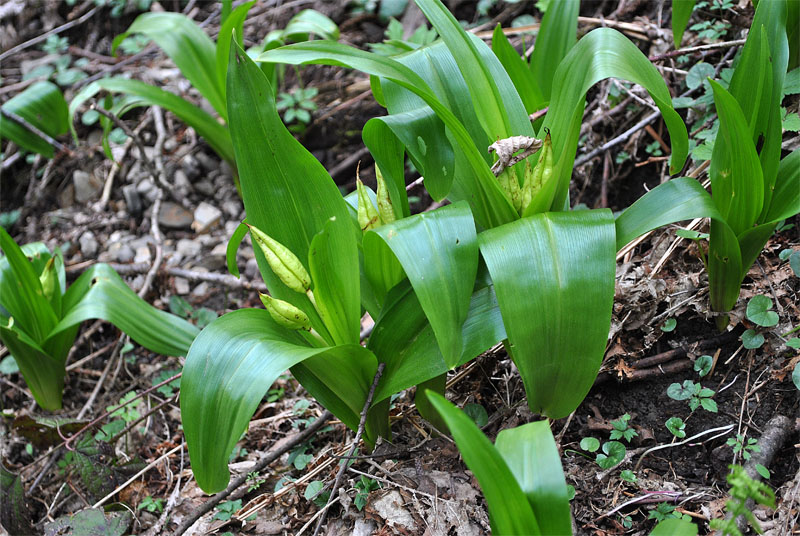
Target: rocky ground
{"points": [[99, 212]]}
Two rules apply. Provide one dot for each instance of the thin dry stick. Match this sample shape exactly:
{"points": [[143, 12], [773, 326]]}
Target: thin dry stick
{"points": [[361, 423], [137, 475], [44, 36], [171, 502], [100, 382], [262, 463], [701, 48], [115, 166], [723, 429]]}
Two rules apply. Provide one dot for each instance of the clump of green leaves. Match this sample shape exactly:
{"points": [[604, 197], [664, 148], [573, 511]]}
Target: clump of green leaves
{"points": [[298, 105], [622, 429], [152, 505], [664, 511], [743, 446], [743, 488], [759, 311], [202, 316], [676, 426], [363, 487], [226, 509], [316, 492], [696, 394]]}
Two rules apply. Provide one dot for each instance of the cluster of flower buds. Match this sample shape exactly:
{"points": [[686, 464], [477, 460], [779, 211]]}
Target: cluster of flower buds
{"points": [[370, 217], [510, 152]]}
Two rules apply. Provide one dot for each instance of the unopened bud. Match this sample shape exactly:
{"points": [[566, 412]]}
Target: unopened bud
{"points": [[537, 177], [283, 262], [368, 217], [385, 209], [48, 278], [285, 314]]}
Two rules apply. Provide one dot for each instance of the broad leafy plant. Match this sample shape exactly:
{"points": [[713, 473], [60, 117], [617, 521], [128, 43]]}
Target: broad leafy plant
{"points": [[40, 316], [503, 262], [43, 106], [753, 188]]}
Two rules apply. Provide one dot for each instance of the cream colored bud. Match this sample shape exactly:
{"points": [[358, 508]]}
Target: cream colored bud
{"points": [[48, 278], [285, 314], [283, 262]]}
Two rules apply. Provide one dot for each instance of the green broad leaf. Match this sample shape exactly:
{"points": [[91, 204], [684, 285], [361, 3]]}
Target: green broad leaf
{"points": [[601, 54], [100, 293], [758, 311], [545, 268], [708, 404], [517, 68], [763, 471], [612, 455], [735, 171], [232, 25], [542, 480], [703, 364], [676, 426], [8, 365], [796, 376], [21, 292], [556, 37], [215, 134], [685, 391], [233, 248], [439, 252], [310, 22], [785, 201], [438, 385], [490, 206], [590, 444], [698, 74], [388, 152], [794, 343], [333, 265], [669, 325], [725, 266], [681, 11], [286, 192], [752, 339], [628, 476], [404, 339], [41, 105], [477, 413], [510, 511], [674, 527], [229, 368], [188, 46], [691, 234], [501, 114]]}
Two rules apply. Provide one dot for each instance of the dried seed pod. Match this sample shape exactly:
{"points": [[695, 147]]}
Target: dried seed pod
{"points": [[285, 314], [507, 148], [539, 176], [283, 262]]}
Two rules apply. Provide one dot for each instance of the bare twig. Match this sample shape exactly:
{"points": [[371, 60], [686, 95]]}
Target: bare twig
{"points": [[361, 424], [262, 463], [171, 502], [100, 382], [39, 38], [137, 475], [723, 429], [115, 166], [701, 48]]}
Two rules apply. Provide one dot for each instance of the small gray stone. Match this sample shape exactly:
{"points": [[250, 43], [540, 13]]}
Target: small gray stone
{"points": [[170, 145], [86, 185], [191, 166], [181, 286], [174, 216], [181, 180], [88, 245], [142, 254], [121, 252], [132, 199], [200, 290], [187, 248], [251, 269], [205, 187], [232, 208], [144, 186], [207, 161], [206, 216]]}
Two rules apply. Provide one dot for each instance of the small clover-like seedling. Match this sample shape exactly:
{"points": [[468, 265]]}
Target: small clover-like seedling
{"points": [[590, 444], [760, 313], [364, 486], [793, 343], [478, 414], [612, 455], [702, 365], [669, 325], [315, 491], [150, 504], [628, 476], [622, 430], [696, 394], [745, 448], [795, 376], [751, 339], [794, 259], [676, 426]]}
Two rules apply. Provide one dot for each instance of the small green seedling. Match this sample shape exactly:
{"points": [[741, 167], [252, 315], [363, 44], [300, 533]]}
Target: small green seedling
{"points": [[669, 325], [202, 316], [315, 491], [696, 394], [298, 105], [590, 444], [676, 426], [696, 237], [254, 481], [759, 312], [152, 505], [363, 487], [612, 455], [793, 256], [745, 448], [622, 429], [226, 509], [478, 414], [628, 476], [664, 511], [703, 364], [743, 488]]}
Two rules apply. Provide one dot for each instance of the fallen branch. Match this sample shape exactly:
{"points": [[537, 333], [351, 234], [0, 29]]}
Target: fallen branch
{"points": [[270, 457], [361, 424]]}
